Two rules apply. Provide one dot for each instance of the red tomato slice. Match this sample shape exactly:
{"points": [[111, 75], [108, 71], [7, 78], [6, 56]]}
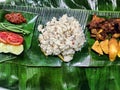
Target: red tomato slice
{"points": [[14, 39], [3, 37]]}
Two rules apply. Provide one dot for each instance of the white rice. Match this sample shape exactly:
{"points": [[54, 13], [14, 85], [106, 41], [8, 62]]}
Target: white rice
{"points": [[63, 36]]}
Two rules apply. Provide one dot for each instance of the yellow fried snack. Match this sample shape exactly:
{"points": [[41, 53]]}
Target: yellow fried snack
{"points": [[104, 46], [97, 48], [119, 49], [113, 49]]}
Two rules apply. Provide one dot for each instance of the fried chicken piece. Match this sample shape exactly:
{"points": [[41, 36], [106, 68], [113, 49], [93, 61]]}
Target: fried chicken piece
{"points": [[95, 21], [108, 26]]}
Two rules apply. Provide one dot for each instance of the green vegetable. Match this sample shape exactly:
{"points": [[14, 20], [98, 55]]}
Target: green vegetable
{"points": [[13, 28]]}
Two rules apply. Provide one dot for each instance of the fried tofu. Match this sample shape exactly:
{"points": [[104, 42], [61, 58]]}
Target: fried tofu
{"points": [[113, 49], [119, 49], [97, 48], [104, 46]]}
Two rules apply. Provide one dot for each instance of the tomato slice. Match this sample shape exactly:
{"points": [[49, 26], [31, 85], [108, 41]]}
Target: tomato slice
{"points": [[3, 37], [10, 38], [14, 39]]}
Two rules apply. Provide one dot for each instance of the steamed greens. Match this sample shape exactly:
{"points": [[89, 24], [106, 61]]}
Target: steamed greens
{"points": [[13, 28]]}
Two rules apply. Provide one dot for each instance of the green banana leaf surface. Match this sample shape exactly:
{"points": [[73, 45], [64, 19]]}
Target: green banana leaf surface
{"points": [[92, 73], [14, 77], [104, 5]]}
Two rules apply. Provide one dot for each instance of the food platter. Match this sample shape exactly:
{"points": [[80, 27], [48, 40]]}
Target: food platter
{"points": [[33, 56], [25, 72]]}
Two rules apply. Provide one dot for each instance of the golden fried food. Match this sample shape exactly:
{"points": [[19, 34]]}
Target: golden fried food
{"points": [[119, 49], [113, 49], [95, 21], [104, 46], [97, 48], [106, 32]]}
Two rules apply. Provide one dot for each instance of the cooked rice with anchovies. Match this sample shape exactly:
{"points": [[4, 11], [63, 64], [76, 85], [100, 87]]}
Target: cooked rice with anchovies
{"points": [[61, 37]]}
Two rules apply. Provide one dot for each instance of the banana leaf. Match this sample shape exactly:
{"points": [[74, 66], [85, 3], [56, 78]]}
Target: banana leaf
{"points": [[30, 18], [16, 77], [105, 5]]}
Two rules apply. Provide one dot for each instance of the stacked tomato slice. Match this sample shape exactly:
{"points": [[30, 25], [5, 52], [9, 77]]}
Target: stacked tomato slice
{"points": [[10, 38]]}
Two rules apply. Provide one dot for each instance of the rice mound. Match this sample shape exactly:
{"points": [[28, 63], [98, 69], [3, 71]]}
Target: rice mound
{"points": [[61, 37]]}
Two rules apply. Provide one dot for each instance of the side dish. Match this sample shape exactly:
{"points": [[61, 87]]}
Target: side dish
{"points": [[62, 37], [13, 28], [106, 33], [11, 43], [16, 18], [11, 38]]}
